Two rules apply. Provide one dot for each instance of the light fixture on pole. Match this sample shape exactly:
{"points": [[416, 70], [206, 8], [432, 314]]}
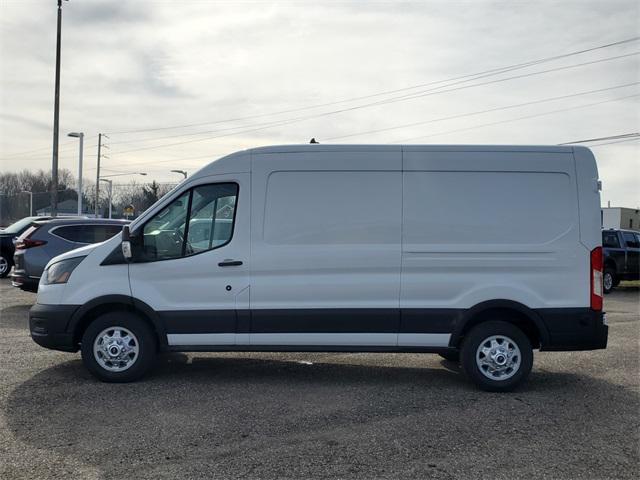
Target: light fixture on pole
{"points": [[110, 182], [181, 172], [30, 201], [80, 136], [121, 174]]}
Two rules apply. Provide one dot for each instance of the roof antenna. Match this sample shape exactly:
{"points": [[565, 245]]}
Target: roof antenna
{"points": [[313, 140]]}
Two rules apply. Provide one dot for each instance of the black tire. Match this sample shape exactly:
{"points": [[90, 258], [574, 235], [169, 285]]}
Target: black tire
{"points": [[478, 335], [452, 356], [6, 264], [146, 344], [609, 283]]}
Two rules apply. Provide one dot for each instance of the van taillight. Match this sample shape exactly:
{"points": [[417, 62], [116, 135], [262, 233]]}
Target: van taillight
{"points": [[25, 243], [596, 278]]}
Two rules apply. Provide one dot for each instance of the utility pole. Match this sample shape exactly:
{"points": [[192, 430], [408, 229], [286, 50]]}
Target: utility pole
{"points": [[56, 117], [98, 174]]}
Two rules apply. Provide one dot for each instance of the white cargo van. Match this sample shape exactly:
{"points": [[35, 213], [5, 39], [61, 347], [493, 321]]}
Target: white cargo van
{"points": [[478, 253]]}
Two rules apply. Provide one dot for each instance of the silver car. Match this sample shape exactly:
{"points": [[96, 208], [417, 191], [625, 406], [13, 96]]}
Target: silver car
{"points": [[44, 240]]}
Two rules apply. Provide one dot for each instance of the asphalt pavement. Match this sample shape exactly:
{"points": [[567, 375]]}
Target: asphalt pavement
{"points": [[299, 416]]}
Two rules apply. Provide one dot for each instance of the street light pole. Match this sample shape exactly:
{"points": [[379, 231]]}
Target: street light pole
{"points": [[56, 117], [110, 182], [30, 201], [80, 136], [181, 172]]}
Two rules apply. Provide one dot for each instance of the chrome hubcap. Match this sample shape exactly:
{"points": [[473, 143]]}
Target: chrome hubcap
{"points": [[608, 281], [498, 357], [4, 265], [116, 349]]}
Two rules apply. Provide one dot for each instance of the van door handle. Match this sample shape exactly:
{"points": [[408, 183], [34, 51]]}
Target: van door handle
{"points": [[230, 263]]}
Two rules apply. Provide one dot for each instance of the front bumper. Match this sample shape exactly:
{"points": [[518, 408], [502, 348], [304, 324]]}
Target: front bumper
{"points": [[20, 280], [48, 326], [574, 329]]}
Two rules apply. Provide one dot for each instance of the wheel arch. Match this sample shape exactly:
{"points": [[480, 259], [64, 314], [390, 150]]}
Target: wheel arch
{"points": [[611, 263], [109, 303], [506, 310]]}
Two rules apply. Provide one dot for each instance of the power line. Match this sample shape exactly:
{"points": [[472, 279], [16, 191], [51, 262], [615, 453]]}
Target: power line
{"points": [[30, 154], [518, 118], [427, 93], [439, 133], [262, 126], [462, 115], [258, 127], [469, 77], [617, 141], [15, 154], [493, 71], [611, 137], [179, 159]]}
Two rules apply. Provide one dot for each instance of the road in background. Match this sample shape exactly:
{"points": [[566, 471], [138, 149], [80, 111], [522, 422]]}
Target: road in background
{"points": [[259, 415]]}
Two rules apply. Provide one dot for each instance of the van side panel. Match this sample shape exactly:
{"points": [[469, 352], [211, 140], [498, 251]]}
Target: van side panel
{"points": [[480, 226], [326, 246]]}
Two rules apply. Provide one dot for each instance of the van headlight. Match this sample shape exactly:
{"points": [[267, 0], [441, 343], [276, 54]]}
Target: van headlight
{"points": [[60, 272]]}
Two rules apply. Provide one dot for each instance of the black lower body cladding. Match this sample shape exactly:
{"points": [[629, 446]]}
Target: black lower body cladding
{"points": [[565, 328], [48, 326], [574, 329]]}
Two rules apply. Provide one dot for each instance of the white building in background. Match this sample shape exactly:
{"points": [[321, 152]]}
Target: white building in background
{"points": [[620, 217]]}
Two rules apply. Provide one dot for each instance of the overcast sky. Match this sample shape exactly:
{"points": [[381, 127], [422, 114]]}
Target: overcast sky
{"points": [[230, 67]]}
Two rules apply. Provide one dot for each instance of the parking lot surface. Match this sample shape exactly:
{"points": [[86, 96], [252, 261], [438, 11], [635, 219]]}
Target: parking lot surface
{"points": [[257, 415]]}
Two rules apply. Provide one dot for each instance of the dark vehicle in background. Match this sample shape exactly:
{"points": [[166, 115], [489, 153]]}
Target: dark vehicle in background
{"points": [[44, 240], [7, 236], [621, 252]]}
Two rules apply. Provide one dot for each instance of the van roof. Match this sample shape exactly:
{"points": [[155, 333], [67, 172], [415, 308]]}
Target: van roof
{"points": [[239, 161], [435, 148]]}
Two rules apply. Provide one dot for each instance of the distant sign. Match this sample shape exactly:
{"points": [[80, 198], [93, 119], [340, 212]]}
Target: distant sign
{"points": [[129, 210]]}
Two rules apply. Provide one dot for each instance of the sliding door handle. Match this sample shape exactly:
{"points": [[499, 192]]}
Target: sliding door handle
{"points": [[230, 263]]}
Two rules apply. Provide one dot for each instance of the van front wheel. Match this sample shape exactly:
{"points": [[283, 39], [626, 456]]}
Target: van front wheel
{"points": [[497, 356], [118, 347]]}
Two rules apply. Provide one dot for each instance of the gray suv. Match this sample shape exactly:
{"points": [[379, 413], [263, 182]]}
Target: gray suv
{"points": [[44, 240]]}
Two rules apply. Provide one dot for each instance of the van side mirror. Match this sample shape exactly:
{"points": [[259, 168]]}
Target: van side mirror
{"points": [[126, 243]]}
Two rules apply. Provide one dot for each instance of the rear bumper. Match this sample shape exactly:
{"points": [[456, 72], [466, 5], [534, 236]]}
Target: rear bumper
{"points": [[574, 329], [48, 326]]}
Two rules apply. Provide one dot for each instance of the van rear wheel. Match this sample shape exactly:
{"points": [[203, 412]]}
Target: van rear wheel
{"points": [[118, 347], [497, 356]]}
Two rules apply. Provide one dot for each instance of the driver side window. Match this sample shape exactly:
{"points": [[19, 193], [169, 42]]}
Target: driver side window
{"points": [[201, 219]]}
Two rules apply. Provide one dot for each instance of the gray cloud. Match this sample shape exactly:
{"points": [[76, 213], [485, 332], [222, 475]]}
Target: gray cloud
{"points": [[136, 64], [108, 12], [27, 121]]}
